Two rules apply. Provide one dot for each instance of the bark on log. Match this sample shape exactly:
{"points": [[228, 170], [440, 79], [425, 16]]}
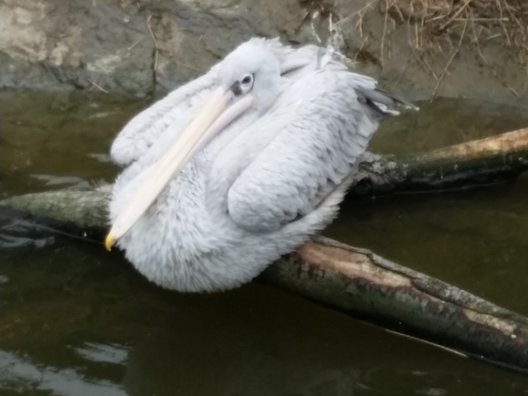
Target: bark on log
{"points": [[359, 281], [475, 163], [362, 283]]}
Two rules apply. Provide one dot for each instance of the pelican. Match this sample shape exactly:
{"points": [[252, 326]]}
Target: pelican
{"points": [[240, 166]]}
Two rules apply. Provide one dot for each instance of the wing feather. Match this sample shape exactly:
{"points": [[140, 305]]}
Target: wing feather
{"points": [[170, 112], [321, 130]]}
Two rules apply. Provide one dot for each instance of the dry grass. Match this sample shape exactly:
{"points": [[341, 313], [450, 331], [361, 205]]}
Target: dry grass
{"points": [[506, 20], [437, 24], [480, 21]]}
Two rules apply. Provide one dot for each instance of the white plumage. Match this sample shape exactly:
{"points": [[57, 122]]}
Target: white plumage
{"points": [[260, 187]]}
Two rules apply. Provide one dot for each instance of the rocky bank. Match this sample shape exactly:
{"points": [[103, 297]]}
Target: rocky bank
{"points": [[145, 47]]}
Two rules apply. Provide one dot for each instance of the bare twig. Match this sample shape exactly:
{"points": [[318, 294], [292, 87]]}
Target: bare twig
{"points": [[384, 33], [156, 47], [98, 86], [456, 14], [453, 56]]}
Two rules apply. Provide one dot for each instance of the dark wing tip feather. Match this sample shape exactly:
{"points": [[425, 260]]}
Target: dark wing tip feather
{"points": [[381, 103]]}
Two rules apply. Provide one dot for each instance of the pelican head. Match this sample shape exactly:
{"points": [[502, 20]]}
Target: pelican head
{"points": [[248, 80], [251, 71]]}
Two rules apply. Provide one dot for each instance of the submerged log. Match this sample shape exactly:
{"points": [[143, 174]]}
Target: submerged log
{"points": [[356, 280]]}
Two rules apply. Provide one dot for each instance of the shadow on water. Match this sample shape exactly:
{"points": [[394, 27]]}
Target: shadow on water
{"points": [[75, 320]]}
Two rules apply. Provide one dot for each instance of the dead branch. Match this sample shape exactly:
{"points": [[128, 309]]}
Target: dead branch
{"points": [[475, 163], [359, 281]]}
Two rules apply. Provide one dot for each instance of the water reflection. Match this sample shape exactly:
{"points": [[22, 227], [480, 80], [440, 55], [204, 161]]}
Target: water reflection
{"points": [[103, 353], [66, 135], [22, 376], [87, 318], [76, 320]]}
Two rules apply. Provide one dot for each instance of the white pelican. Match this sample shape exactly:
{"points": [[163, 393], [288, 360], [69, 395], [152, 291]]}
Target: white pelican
{"points": [[240, 166]]}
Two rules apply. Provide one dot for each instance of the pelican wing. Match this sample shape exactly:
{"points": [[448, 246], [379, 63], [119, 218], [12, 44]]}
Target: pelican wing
{"points": [[303, 149], [170, 112]]}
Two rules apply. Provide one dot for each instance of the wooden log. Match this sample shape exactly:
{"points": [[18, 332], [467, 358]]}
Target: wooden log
{"points": [[359, 281], [354, 280], [475, 163]]}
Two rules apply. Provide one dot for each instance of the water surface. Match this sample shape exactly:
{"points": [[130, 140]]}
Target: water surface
{"points": [[75, 320]]}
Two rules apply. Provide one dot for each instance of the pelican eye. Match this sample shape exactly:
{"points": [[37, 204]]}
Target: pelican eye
{"points": [[244, 85], [247, 79]]}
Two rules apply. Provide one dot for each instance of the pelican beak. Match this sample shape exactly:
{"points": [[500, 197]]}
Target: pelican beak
{"points": [[219, 111], [109, 241]]}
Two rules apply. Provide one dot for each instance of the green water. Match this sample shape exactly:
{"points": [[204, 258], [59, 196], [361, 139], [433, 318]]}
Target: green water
{"points": [[75, 320]]}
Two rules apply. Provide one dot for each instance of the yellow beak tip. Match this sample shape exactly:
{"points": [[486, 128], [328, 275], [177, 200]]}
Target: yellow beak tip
{"points": [[109, 242]]}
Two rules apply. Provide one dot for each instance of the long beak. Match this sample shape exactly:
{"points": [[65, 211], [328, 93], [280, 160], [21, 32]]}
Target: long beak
{"points": [[216, 114]]}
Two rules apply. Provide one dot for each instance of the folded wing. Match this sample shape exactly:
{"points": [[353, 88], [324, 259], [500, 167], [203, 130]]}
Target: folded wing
{"points": [[320, 127]]}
